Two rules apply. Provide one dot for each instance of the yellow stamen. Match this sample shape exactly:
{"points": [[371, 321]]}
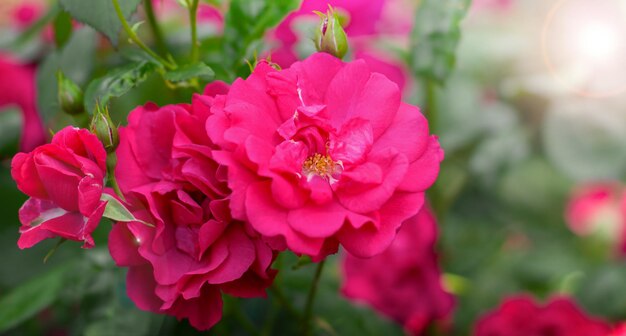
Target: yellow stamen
{"points": [[321, 165]]}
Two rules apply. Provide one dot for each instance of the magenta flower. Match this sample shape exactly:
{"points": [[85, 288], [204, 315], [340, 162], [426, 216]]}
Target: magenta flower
{"points": [[17, 88], [404, 282], [196, 250], [323, 153], [594, 207], [65, 180], [522, 316]]}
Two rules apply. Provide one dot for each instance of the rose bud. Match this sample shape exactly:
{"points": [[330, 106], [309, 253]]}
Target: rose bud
{"points": [[330, 36], [65, 182], [104, 128], [70, 96]]}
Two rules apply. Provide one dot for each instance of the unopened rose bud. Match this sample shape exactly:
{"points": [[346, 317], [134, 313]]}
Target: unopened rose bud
{"points": [[102, 126], [70, 95], [330, 36]]}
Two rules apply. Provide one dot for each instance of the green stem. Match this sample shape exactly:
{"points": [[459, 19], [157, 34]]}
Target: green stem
{"points": [[308, 308], [111, 163], [154, 26], [193, 19], [131, 34]]}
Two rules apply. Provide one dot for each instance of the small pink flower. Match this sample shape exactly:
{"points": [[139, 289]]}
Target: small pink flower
{"points": [[65, 180], [17, 88], [521, 315], [595, 208], [404, 282], [196, 251], [323, 153]]}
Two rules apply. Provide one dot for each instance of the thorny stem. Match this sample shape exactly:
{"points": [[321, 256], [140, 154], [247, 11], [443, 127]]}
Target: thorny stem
{"points": [[308, 308], [131, 34]]}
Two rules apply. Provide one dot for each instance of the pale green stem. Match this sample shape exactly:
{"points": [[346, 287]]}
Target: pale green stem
{"points": [[131, 34], [193, 19]]}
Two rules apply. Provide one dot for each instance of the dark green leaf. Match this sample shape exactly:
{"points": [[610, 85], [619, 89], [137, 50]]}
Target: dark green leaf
{"points": [[75, 60], [100, 14], [190, 71], [62, 28], [435, 36], [116, 83], [247, 21], [29, 298]]}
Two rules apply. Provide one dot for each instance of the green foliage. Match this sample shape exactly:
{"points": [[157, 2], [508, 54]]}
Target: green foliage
{"points": [[62, 28], [436, 33], [75, 60], [191, 71], [31, 297], [116, 211], [246, 22], [100, 14], [117, 83]]}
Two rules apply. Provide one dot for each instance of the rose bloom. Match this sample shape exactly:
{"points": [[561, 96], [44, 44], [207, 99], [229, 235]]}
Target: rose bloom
{"points": [[404, 282], [17, 88], [323, 153], [596, 209], [521, 316], [196, 250], [65, 180]]}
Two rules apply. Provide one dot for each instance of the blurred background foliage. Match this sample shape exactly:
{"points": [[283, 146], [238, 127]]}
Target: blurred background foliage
{"points": [[516, 142]]}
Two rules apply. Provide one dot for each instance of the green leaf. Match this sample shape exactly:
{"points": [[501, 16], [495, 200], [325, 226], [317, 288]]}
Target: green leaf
{"points": [[190, 71], [31, 297], [116, 211], [116, 83], [435, 36], [75, 60], [247, 21], [62, 28], [100, 14]]}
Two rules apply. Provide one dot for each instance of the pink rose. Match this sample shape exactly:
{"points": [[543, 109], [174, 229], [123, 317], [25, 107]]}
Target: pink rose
{"points": [[17, 87], [596, 208], [196, 250], [323, 153], [404, 282], [65, 180], [522, 316]]}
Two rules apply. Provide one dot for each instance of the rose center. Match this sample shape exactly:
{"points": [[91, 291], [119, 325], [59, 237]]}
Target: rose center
{"points": [[321, 165]]}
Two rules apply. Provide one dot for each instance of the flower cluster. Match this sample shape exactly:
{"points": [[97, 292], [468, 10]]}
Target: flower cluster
{"points": [[521, 315], [305, 159], [404, 282]]}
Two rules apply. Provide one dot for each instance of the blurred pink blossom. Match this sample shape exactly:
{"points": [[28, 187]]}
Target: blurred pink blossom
{"points": [[404, 282]]}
